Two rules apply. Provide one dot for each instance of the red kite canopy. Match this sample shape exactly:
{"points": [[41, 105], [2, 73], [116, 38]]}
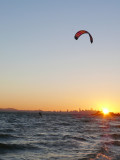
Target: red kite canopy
{"points": [[79, 33]]}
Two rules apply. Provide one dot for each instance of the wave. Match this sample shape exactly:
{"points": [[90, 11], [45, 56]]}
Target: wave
{"points": [[115, 136], [6, 136], [115, 126], [101, 156], [10, 147], [102, 153], [74, 138], [115, 143], [7, 130], [63, 124]]}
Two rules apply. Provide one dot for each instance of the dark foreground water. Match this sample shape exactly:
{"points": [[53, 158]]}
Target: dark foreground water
{"points": [[27, 136]]}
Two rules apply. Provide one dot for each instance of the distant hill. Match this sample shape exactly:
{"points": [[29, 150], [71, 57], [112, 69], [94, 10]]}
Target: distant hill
{"points": [[8, 110], [17, 110]]}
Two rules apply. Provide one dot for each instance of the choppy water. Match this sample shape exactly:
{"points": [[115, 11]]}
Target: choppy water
{"points": [[27, 136]]}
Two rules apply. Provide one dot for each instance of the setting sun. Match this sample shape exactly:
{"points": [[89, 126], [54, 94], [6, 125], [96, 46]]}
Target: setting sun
{"points": [[105, 111]]}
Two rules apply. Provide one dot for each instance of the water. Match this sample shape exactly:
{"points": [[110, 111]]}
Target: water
{"points": [[27, 136]]}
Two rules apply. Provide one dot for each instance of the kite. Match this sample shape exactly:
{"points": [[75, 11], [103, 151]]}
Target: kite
{"points": [[79, 33]]}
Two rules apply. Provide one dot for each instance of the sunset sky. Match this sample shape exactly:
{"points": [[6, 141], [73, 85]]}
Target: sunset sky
{"points": [[43, 67]]}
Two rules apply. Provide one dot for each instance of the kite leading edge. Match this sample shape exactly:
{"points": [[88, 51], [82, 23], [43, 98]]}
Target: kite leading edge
{"points": [[79, 33]]}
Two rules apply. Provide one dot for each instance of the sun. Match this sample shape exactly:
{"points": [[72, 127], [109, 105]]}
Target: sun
{"points": [[105, 111]]}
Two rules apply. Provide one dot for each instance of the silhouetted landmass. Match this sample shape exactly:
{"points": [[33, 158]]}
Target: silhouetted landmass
{"points": [[17, 110], [8, 110], [73, 112]]}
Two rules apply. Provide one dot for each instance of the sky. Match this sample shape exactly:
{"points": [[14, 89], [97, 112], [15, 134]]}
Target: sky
{"points": [[43, 67]]}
